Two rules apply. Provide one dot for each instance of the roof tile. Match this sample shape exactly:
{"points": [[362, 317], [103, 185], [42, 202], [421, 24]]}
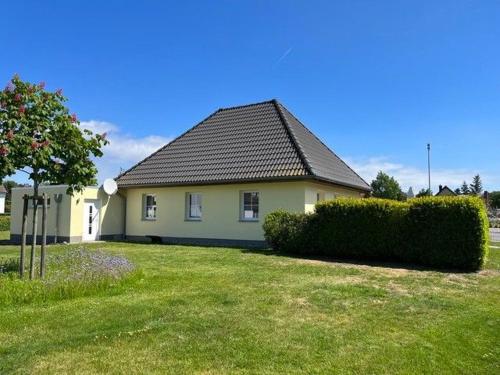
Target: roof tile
{"points": [[254, 142]]}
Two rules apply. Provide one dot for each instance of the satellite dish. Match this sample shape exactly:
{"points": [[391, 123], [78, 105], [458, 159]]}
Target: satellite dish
{"points": [[109, 186]]}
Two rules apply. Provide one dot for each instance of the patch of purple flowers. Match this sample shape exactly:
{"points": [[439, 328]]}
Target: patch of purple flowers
{"points": [[82, 265]]}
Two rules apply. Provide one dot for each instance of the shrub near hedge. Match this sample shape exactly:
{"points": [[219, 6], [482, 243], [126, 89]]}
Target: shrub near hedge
{"points": [[442, 232], [288, 232]]}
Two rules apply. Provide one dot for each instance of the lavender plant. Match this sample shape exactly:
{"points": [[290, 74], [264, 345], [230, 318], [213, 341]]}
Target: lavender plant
{"points": [[74, 273]]}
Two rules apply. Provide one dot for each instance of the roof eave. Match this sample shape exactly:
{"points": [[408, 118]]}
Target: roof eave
{"points": [[244, 181]]}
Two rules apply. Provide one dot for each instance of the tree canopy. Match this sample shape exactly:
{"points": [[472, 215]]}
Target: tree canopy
{"points": [[424, 193], [40, 137], [385, 186], [495, 199]]}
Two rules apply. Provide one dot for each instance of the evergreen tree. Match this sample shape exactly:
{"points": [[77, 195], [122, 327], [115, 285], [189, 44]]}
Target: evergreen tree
{"points": [[476, 187], [410, 193], [464, 189]]}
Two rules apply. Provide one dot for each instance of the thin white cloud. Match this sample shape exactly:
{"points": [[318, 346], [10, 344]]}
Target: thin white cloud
{"points": [[123, 150], [415, 177], [283, 56]]}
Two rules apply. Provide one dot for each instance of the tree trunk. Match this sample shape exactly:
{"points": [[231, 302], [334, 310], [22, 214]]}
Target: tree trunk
{"points": [[35, 224], [23, 235], [44, 236]]}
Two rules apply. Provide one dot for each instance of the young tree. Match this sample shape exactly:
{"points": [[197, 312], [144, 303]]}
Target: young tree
{"points": [[385, 186], [38, 136], [464, 189], [476, 187]]}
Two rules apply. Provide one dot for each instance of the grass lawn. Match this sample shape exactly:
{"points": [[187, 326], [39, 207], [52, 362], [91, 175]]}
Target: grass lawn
{"points": [[215, 310]]}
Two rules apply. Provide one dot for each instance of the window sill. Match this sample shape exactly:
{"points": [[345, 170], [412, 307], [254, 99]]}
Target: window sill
{"points": [[146, 219], [249, 220], [192, 219]]}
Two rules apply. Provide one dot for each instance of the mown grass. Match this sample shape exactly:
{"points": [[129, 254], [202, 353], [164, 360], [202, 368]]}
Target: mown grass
{"points": [[215, 310]]}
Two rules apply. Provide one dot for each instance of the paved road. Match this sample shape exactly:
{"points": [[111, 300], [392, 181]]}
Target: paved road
{"points": [[495, 234]]}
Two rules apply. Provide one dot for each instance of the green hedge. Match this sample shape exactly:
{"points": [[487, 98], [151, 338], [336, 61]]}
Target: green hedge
{"points": [[359, 228], [447, 232], [4, 222], [441, 232]]}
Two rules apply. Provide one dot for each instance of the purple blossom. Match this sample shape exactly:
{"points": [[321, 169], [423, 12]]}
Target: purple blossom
{"points": [[84, 265]]}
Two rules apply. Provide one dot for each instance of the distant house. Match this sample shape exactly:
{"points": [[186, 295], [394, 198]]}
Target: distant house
{"points": [[3, 194], [216, 182], [445, 191]]}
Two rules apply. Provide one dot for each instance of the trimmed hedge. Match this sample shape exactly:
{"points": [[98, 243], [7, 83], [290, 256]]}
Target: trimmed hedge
{"points": [[441, 232], [359, 228], [447, 232], [4, 222]]}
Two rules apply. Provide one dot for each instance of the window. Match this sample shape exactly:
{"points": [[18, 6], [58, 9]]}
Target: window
{"points": [[193, 206], [320, 196], [250, 206], [149, 207], [91, 218]]}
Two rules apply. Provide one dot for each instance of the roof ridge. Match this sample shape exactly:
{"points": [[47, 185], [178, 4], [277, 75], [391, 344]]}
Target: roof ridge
{"points": [[328, 148], [289, 131], [246, 105], [168, 144]]}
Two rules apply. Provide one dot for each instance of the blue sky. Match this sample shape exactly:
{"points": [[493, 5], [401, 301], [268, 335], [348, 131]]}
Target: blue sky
{"points": [[376, 80]]}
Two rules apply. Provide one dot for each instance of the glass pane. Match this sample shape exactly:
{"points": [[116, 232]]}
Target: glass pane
{"points": [[195, 205], [251, 205], [150, 200]]}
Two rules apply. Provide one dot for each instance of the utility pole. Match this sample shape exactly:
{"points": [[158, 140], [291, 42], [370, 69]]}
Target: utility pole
{"points": [[429, 165]]}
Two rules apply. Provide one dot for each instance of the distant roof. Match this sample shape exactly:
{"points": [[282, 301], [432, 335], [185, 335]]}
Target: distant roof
{"points": [[254, 142], [445, 191]]}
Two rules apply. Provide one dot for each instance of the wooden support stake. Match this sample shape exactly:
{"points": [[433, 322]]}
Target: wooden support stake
{"points": [[44, 236], [23, 235], [33, 244]]}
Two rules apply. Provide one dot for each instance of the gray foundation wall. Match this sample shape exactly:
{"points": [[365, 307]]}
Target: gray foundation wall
{"points": [[200, 241]]}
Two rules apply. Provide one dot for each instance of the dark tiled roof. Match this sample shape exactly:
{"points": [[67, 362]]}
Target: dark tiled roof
{"points": [[255, 142]]}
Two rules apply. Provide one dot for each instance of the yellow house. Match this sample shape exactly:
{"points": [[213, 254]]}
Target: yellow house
{"points": [[215, 183], [212, 185]]}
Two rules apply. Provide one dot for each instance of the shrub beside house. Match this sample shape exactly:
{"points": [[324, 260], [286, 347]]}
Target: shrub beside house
{"points": [[441, 232]]}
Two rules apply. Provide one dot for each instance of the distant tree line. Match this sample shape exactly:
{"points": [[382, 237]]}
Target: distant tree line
{"points": [[385, 186]]}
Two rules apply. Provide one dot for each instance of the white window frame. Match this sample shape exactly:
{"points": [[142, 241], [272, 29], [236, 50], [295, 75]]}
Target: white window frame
{"points": [[145, 207], [189, 216], [243, 217]]}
